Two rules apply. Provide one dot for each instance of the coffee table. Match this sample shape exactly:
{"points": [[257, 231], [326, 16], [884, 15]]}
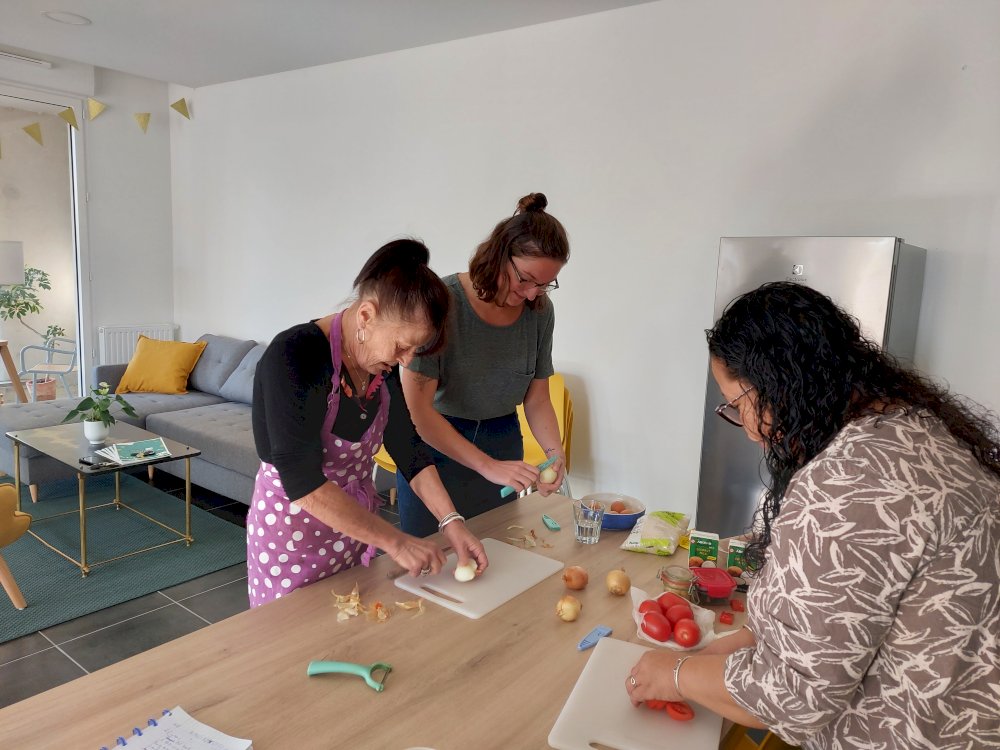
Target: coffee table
{"points": [[66, 443]]}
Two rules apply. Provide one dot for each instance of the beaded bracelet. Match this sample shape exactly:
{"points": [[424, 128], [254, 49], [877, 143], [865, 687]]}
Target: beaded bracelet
{"points": [[677, 674], [453, 516]]}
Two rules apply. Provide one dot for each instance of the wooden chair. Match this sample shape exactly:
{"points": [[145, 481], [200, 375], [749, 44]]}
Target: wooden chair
{"points": [[13, 524]]}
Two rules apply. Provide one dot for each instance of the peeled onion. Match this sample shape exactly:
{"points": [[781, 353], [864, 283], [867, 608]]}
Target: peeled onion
{"points": [[548, 475], [465, 573], [618, 582], [575, 577], [568, 608]]}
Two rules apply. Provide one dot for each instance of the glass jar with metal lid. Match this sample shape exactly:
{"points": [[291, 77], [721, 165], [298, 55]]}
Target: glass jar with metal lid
{"points": [[678, 579]]}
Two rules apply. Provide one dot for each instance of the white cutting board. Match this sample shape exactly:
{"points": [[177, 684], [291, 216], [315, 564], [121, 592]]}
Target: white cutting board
{"points": [[511, 571], [599, 710]]}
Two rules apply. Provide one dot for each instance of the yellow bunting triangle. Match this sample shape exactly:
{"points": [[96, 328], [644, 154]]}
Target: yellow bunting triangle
{"points": [[35, 131], [69, 116], [94, 108], [181, 106], [143, 119]]}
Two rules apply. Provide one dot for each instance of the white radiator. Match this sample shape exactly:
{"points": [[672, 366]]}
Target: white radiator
{"points": [[117, 343]]}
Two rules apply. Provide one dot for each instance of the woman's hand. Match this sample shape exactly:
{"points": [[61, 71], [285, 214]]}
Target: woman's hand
{"points": [[546, 489], [517, 474], [466, 545], [652, 678], [417, 556]]}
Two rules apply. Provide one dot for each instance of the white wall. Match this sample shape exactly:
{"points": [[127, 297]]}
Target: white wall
{"points": [[129, 229], [654, 130]]}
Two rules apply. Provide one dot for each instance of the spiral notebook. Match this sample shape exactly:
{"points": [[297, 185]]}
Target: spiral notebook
{"points": [[178, 730]]}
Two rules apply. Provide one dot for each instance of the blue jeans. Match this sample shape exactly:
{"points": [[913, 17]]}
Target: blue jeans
{"points": [[499, 438]]}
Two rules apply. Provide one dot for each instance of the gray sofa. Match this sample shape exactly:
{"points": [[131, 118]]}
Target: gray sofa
{"points": [[213, 416]]}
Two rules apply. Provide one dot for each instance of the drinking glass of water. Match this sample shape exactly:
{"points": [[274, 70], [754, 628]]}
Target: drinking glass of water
{"points": [[588, 516]]}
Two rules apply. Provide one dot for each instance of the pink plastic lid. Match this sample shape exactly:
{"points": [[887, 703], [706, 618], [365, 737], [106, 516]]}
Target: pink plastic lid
{"points": [[715, 582]]}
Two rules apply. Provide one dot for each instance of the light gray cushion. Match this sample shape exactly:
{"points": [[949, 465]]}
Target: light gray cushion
{"points": [[239, 386], [217, 362], [222, 432]]}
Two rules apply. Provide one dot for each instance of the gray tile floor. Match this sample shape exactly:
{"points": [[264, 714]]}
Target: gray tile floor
{"points": [[43, 660]]}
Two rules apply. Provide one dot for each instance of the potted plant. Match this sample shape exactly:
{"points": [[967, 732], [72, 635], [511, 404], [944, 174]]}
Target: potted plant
{"points": [[95, 412], [17, 301]]}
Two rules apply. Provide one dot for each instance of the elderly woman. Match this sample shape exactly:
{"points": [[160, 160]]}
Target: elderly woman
{"points": [[326, 396], [499, 354], [873, 618]]}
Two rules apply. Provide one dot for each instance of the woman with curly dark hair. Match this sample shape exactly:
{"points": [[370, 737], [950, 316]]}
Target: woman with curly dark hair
{"points": [[874, 617]]}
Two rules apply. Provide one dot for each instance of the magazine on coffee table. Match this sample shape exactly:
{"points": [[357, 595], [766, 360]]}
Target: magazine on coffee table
{"points": [[135, 452]]}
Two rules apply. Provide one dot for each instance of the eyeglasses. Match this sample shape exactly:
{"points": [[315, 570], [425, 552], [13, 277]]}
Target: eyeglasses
{"points": [[542, 288], [729, 412]]}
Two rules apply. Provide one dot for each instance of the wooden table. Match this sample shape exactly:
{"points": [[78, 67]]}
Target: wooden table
{"points": [[497, 682]]}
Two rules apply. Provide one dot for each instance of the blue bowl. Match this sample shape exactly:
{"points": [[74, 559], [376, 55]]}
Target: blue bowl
{"points": [[617, 521]]}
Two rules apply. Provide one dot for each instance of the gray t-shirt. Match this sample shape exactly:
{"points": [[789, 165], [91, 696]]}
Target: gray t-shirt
{"points": [[484, 370]]}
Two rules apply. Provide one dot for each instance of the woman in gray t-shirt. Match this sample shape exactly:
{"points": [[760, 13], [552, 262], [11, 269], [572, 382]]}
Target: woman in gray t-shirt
{"points": [[498, 354]]}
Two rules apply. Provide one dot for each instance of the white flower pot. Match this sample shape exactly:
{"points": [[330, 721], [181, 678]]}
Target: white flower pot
{"points": [[96, 432]]}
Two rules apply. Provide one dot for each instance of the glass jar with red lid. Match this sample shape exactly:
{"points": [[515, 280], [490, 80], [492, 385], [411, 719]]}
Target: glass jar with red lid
{"points": [[711, 586]]}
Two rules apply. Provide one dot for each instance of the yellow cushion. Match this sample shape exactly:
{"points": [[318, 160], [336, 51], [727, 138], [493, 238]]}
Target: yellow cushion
{"points": [[160, 366]]}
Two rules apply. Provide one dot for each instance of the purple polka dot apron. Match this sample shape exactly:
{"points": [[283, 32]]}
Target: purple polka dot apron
{"points": [[286, 546]]}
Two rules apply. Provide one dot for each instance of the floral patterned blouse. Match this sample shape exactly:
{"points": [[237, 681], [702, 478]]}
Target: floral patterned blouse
{"points": [[877, 615]]}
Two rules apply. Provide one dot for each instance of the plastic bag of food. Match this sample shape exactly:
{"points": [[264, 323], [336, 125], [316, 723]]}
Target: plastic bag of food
{"points": [[658, 533]]}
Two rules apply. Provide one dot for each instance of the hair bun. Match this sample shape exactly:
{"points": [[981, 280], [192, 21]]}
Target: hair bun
{"points": [[532, 202], [407, 252]]}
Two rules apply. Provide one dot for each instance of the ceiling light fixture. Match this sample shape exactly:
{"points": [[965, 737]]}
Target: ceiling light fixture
{"points": [[4, 55], [63, 16]]}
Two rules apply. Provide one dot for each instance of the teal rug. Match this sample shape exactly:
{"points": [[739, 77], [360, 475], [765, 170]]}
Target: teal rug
{"points": [[54, 588]]}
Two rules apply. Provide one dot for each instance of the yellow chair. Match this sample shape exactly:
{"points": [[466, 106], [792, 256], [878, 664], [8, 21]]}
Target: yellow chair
{"points": [[384, 461], [737, 739], [563, 405], [13, 524], [533, 452]]}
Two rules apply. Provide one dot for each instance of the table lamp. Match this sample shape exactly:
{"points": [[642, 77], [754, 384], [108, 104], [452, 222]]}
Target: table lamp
{"points": [[11, 262]]}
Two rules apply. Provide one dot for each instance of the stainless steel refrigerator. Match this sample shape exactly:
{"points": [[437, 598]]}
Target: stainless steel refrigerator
{"points": [[879, 280]]}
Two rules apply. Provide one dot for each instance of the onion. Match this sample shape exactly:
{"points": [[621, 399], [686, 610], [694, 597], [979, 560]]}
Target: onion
{"points": [[618, 582], [465, 573], [575, 577], [548, 475], [568, 608]]}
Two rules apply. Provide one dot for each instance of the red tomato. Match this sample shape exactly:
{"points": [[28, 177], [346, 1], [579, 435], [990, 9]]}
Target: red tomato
{"points": [[649, 605], [737, 605], [656, 705], [656, 626], [679, 612], [726, 618], [679, 711], [668, 599], [687, 633]]}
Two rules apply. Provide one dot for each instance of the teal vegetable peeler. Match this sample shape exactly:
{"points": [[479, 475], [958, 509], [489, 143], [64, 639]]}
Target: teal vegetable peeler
{"points": [[361, 670], [543, 465]]}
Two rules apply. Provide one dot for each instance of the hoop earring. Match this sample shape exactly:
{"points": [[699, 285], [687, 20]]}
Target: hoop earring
{"points": [[361, 335]]}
